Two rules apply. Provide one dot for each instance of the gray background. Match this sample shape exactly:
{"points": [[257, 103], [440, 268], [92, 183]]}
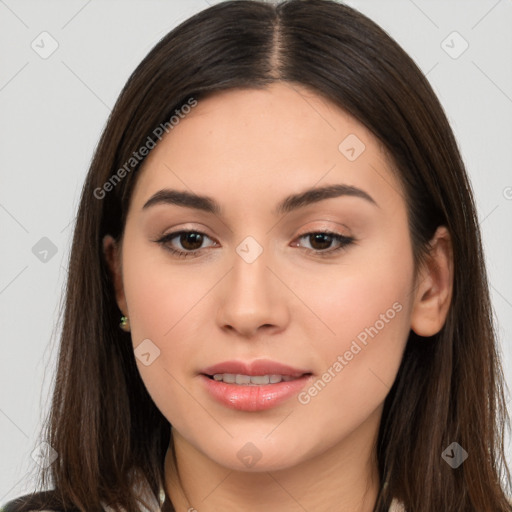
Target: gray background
{"points": [[53, 110]]}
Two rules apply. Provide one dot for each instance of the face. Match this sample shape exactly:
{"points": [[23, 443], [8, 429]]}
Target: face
{"points": [[320, 283]]}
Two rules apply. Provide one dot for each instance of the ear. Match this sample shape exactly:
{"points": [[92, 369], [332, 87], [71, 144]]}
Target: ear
{"points": [[434, 287], [112, 255]]}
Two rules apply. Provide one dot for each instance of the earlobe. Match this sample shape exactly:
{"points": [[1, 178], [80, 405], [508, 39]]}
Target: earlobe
{"points": [[435, 286], [112, 257]]}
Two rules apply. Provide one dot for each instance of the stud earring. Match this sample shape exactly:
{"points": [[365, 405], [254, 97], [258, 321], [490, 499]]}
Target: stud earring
{"points": [[125, 324]]}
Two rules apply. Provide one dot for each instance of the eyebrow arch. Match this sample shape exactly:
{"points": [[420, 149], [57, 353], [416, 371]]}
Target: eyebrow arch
{"points": [[290, 203]]}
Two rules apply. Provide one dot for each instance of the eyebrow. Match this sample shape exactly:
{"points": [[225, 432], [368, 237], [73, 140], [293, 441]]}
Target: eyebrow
{"points": [[289, 204]]}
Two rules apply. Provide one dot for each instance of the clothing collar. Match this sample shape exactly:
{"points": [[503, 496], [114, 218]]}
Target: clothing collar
{"points": [[154, 506]]}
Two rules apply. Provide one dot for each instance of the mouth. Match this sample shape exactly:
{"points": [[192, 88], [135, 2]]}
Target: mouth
{"points": [[253, 380], [255, 386]]}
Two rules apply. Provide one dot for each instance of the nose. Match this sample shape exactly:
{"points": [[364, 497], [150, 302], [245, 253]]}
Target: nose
{"points": [[252, 299]]}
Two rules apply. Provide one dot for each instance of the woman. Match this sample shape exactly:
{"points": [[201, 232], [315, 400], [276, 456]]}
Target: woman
{"points": [[277, 296]]}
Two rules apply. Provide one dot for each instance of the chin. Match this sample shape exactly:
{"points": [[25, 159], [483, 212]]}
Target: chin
{"points": [[258, 456]]}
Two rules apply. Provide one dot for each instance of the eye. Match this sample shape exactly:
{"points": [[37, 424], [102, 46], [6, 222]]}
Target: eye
{"points": [[320, 242], [191, 242]]}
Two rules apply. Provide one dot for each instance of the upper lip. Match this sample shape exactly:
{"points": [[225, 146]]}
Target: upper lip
{"points": [[257, 367]]}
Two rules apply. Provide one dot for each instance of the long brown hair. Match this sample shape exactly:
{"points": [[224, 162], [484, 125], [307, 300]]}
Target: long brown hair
{"points": [[449, 388]]}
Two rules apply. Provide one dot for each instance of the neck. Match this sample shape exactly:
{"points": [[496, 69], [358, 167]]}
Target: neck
{"points": [[343, 478]]}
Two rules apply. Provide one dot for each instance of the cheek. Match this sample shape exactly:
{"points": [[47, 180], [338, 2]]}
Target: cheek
{"points": [[164, 303], [351, 296], [368, 301], [160, 290], [366, 306]]}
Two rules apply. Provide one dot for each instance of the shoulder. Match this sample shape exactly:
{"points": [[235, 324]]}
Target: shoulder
{"points": [[45, 501], [397, 506]]}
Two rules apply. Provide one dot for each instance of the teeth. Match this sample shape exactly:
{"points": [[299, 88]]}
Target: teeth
{"points": [[263, 379], [251, 380], [243, 379]]}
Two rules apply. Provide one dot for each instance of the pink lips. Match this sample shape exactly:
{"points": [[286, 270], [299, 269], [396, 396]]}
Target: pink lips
{"points": [[250, 397]]}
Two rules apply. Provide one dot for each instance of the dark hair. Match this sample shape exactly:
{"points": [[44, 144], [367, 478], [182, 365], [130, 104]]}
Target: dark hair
{"points": [[103, 423]]}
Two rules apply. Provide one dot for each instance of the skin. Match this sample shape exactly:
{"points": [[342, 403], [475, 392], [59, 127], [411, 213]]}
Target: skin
{"points": [[248, 149]]}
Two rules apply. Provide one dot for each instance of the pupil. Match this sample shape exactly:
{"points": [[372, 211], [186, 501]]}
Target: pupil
{"points": [[189, 239], [317, 237]]}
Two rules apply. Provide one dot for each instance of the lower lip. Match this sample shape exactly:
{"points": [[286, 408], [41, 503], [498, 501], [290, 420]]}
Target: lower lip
{"points": [[253, 398]]}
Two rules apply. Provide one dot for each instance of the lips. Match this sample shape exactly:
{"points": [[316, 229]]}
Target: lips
{"points": [[234, 384]]}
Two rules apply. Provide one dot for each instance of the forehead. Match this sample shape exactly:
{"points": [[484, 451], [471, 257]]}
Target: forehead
{"points": [[265, 141]]}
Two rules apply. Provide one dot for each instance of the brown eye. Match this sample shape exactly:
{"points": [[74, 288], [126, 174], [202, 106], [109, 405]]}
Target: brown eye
{"points": [[321, 242], [191, 240], [191, 243]]}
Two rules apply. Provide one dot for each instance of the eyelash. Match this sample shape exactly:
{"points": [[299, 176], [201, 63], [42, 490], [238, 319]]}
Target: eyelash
{"points": [[344, 242]]}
